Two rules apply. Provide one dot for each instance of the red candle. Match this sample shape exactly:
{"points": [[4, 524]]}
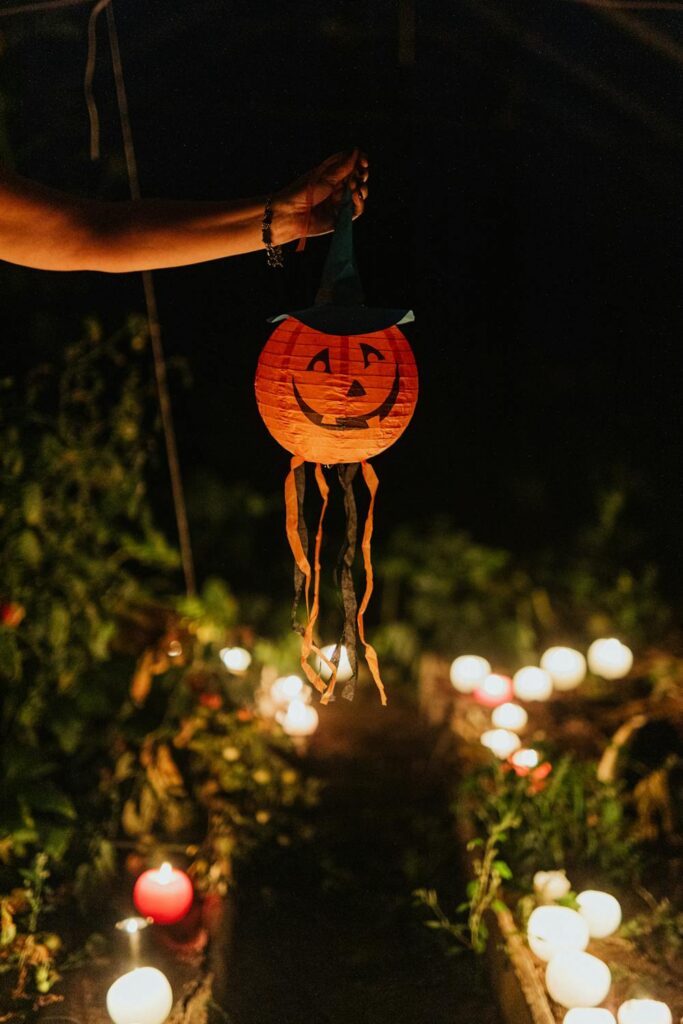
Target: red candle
{"points": [[165, 894], [493, 690]]}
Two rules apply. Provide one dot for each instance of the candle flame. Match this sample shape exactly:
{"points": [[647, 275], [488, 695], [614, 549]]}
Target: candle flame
{"points": [[164, 874]]}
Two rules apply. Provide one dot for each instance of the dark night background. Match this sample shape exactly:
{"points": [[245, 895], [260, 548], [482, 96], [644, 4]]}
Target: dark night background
{"points": [[525, 201]]}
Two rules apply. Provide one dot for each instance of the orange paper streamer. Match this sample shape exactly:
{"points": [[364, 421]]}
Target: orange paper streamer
{"points": [[372, 483]]}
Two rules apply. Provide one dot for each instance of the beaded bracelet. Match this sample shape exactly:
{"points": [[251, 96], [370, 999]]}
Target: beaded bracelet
{"points": [[273, 252]]}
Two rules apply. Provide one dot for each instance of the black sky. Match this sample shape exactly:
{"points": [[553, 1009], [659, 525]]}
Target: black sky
{"points": [[525, 201]]}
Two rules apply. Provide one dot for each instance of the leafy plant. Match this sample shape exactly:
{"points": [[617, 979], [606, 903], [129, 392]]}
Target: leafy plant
{"points": [[658, 932]]}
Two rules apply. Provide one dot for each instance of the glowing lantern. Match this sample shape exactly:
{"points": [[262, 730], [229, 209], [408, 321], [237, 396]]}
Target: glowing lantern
{"points": [[468, 671], [610, 658], [285, 689], [500, 742], [566, 666], [509, 716], [552, 930], [589, 1015], [644, 1011], [575, 979], [531, 683], [344, 670], [142, 996], [336, 384], [551, 885], [235, 659], [165, 894], [493, 690], [600, 911], [300, 719]]}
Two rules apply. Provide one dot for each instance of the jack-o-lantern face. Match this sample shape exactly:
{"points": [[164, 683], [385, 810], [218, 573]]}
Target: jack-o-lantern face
{"points": [[334, 398]]}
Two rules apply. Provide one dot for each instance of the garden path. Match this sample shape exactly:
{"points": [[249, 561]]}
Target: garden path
{"points": [[329, 935]]}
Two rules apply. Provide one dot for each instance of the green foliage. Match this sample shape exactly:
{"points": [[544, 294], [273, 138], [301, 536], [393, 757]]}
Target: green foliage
{"points": [[483, 892], [572, 820], [75, 533], [658, 932]]}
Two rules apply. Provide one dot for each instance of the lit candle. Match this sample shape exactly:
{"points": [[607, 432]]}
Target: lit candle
{"points": [[589, 1015], [566, 666], [344, 670], [600, 911], [286, 689], [531, 683], [551, 885], [577, 979], [501, 742], [300, 719], [165, 894], [552, 930], [142, 996], [509, 716], [468, 671], [493, 690], [610, 658], [525, 760], [235, 659], [644, 1011]]}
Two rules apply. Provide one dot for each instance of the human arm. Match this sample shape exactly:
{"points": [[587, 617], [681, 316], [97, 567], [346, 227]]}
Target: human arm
{"points": [[51, 230]]}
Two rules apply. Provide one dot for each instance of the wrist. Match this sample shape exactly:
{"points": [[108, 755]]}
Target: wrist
{"points": [[285, 225]]}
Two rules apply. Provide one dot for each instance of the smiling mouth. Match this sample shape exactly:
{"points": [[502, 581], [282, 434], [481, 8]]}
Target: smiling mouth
{"points": [[350, 422]]}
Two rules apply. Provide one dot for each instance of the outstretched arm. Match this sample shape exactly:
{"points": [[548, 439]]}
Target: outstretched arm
{"points": [[50, 230]]}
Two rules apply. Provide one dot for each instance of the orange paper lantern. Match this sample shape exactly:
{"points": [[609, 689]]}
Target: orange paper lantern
{"points": [[336, 384]]}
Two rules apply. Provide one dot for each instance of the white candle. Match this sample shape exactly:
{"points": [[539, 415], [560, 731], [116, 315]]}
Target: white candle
{"points": [[577, 979], [526, 759], [566, 666], [501, 742], [551, 885], [344, 670], [509, 716], [600, 911], [551, 930], [285, 689], [300, 719], [589, 1015], [142, 996], [644, 1011], [468, 671], [532, 683], [610, 658], [235, 659]]}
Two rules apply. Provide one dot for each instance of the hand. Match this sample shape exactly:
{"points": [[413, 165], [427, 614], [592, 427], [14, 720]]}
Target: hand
{"points": [[323, 188]]}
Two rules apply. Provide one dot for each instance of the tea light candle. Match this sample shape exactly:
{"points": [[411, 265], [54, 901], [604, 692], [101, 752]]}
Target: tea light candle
{"points": [[235, 659], [525, 760], [531, 683], [566, 666], [494, 689], [600, 911], [644, 1011], [589, 1015], [344, 670], [286, 689], [552, 930], [551, 885], [165, 895], [142, 996], [300, 719], [501, 742], [509, 716], [468, 671], [576, 979], [610, 658]]}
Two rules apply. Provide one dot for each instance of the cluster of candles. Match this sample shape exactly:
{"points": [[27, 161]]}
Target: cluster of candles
{"points": [[560, 669], [144, 996], [575, 979], [289, 699]]}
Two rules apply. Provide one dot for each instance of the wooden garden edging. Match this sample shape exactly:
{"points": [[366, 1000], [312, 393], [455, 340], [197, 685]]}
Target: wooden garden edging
{"points": [[518, 987]]}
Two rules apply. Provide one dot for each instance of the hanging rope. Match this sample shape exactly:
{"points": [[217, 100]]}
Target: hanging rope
{"points": [[93, 114], [152, 316]]}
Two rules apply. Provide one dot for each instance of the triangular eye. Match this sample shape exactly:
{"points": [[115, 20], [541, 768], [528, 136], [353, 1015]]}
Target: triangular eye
{"points": [[320, 361], [370, 354]]}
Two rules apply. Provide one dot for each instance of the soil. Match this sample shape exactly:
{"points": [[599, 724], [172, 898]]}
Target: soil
{"points": [[329, 933]]}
